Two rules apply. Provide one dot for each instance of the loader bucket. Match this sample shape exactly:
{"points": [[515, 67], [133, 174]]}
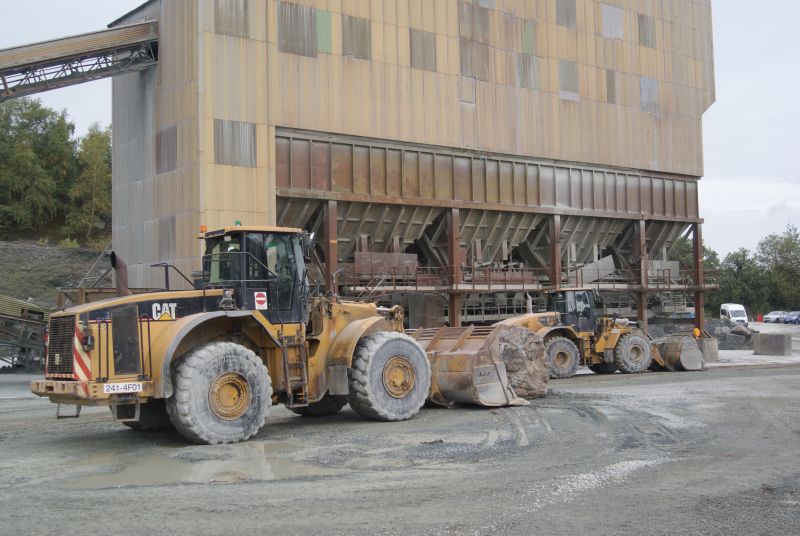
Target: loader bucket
{"points": [[680, 352], [466, 366]]}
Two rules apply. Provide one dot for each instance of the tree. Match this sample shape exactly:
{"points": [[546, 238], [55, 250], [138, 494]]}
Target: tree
{"points": [[37, 165], [683, 251], [90, 194], [779, 254], [743, 280]]}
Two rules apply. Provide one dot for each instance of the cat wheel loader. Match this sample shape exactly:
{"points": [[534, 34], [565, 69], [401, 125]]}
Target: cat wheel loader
{"points": [[211, 361], [575, 335]]}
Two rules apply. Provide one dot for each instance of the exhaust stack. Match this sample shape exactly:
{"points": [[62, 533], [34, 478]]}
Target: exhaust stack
{"points": [[120, 275]]}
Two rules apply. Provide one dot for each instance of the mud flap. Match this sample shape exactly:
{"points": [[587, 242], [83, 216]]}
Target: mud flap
{"points": [[126, 412], [75, 416]]}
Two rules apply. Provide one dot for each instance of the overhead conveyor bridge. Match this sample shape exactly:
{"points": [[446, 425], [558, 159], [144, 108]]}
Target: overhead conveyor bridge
{"points": [[57, 63]]}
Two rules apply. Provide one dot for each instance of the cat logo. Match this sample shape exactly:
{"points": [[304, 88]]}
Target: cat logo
{"points": [[164, 311]]}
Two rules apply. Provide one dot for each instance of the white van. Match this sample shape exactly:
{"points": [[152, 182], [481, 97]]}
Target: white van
{"points": [[733, 313]]}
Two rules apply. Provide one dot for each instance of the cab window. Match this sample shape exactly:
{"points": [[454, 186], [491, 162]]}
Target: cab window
{"points": [[223, 259]]}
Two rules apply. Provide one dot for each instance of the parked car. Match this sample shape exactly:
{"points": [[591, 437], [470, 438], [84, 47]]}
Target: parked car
{"points": [[774, 317], [733, 313], [792, 318]]}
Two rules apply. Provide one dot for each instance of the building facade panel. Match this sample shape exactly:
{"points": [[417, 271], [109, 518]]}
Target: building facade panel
{"points": [[549, 106]]}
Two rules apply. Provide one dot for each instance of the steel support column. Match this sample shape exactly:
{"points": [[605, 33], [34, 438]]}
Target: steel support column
{"points": [[454, 261], [331, 245], [699, 295], [640, 247], [555, 251]]}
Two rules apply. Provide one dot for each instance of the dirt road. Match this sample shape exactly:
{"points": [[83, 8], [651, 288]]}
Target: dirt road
{"points": [[683, 453]]}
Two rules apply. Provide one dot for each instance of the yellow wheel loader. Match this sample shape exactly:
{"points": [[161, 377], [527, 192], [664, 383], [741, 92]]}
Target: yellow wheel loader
{"points": [[574, 335], [211, 361]]}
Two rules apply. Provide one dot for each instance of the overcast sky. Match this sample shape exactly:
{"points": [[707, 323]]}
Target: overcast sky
{"points": [[752, 132]]}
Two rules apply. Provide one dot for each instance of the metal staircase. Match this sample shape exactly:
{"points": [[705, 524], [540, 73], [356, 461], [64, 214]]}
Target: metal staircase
{"points": [[295, 370]]}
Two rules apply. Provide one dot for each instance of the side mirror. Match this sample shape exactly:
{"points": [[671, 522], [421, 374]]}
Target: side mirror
{"points": [[308, 243]]}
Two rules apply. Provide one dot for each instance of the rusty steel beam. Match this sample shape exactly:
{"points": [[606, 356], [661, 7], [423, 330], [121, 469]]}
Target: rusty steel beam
{"points": [[700, 280], [331, 245], [640, 247], [555, 251], [453, 245]]}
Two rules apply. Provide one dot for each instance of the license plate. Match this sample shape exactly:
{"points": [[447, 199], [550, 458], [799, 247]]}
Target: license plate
{"points": [[131, 387]]}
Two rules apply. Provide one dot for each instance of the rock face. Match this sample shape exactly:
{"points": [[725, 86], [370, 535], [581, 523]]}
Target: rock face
{"points": [[523, 353]]}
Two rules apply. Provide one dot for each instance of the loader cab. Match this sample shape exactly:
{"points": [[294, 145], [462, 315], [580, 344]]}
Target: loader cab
{"points": [[264, 266], [577, 307]]}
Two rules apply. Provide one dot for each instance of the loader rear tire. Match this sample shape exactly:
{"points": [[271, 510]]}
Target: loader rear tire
{"points": [[561, 356], [328, 405], [153, 417], [390, 377], [222, 394], [632, 354], [603, 368]]}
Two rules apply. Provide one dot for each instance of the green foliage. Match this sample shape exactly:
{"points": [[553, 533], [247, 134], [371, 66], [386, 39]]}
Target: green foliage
{"points": [[37, 165], [90, 194], [779, 254], [50, 181], [68, 243], [683, 252], [764, 280], [743, 280]]}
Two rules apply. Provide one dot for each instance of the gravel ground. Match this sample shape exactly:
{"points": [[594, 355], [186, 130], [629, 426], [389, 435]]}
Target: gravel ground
{"points": [[670, 453]]}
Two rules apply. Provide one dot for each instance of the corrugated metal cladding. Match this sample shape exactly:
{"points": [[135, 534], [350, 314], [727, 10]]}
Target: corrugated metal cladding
{"points": [[423, 50], [649, 94], [611, 86], [72, 46], [568, 81], [528, 71], [297, 29], [234, 143], [166, 149], [647, 30], [613, 23], [358, 170], [566, 13], [356, 38], [230, 17]]}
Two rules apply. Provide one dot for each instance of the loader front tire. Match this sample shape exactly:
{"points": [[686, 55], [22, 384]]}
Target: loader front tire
{"points": [[153, 417], [390, 377], [561, 356], [222, 394], [632, 354], [327, 405]]}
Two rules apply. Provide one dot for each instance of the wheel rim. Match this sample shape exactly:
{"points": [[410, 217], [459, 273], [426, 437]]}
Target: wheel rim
{"points": [[636, 354], [398, 376], [562, 359], [229, 396]]}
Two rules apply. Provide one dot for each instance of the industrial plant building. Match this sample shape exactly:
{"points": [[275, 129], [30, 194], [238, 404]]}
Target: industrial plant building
{"points": [[457, 157]]}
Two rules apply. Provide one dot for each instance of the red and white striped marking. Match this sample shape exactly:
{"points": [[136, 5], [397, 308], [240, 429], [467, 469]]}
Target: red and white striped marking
{"points": [[81, 364]]}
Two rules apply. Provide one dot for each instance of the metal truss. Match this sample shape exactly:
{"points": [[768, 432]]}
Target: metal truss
{"points": [[70, 70]]}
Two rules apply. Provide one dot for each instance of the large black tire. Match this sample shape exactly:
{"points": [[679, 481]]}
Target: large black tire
{"points": [[390, 377], [153, 417], [328, 405], [603, 368], [632, 354], [222, 394], [562, 358]]}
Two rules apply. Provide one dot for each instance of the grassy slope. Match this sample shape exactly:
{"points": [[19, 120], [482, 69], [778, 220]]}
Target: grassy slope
{"points": [[28, 270]]}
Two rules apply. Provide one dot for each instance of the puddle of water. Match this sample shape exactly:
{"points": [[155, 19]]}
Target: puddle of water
{"points": [[242, 462]]}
